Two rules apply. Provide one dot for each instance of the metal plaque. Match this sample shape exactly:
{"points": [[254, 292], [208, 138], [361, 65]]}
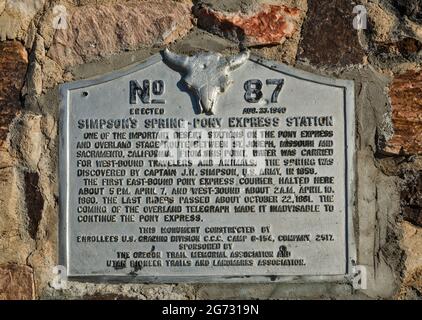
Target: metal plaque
{"points": [[207, 168]]}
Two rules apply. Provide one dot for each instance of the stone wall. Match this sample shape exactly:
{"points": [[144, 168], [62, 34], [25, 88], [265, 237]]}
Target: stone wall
{"points": [[47, 42]]}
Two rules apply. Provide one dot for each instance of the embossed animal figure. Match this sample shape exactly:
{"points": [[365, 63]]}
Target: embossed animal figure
{"points": [[206, 74]]}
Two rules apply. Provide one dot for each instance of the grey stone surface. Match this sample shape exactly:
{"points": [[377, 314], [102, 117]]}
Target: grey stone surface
{"points": [[302, 94]]}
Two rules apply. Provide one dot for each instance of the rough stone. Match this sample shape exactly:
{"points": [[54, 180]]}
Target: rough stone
{"points": [[14, 246], [44, 257], [13, 65], [99, 30], [27, 139], [16, 17], [411, 196], [124, 292], [52, 73], [394, 35], [33, 84], [406, 100], [8, 201], [2, 6], [412, 282], [382, 22], [34, 202], [267, 24], [408, 46], [328, 36], [409, 8], [34, 79], [16, 282]]}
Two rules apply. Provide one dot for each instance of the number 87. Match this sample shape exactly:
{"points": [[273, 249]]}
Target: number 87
{"points": [[253, 89]]}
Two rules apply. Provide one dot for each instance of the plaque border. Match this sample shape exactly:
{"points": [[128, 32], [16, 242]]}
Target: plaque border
{"points": [[350, 165]]}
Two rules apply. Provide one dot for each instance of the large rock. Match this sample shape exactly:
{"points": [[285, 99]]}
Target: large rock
{"points": [[394, 31], [382, 22], [411, 196], [264, 24], [412, 282], [14, 240], [328, 36], [95, 31], [406, 101], [13, 65], [409, 8], [27, 140], [16, 16], [16, 282], [34, 202]]}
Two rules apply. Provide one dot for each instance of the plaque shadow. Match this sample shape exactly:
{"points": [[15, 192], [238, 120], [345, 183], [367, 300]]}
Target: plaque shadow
{"points": [[184, 88]]}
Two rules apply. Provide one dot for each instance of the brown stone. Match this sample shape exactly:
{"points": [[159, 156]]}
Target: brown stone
{"points": [[406, 103], [16, 17], [107, 296], [14, 244], [409, 46], [26, 140], [382, 22], [412, 286], [411, 196], [412, 277], [394, 33], [16, 282], [100, 30], [413, 215], [328, 36], [268, 24], [13, 65]]}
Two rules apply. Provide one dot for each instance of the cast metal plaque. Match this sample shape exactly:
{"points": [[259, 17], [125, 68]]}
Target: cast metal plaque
{"points": [[207, 168]]}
